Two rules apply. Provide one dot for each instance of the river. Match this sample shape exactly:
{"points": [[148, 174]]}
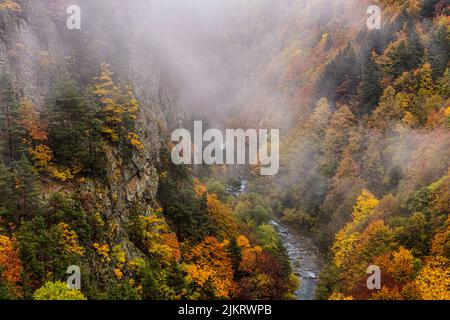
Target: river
{"points": [[305, 257]]}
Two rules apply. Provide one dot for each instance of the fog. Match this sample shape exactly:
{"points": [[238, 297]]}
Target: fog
{"points": [[226, 57], [216, 51], [229, 62], [191, 36]]}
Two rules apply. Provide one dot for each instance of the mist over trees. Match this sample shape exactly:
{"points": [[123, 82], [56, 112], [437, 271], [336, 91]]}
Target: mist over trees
{"points": [[85, 171]]}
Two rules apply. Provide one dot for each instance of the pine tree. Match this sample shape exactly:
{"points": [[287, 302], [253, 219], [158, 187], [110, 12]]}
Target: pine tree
{"points": [[444, 84], [187, 213], [75, 131], [26, 188], [340, 76], [404, 54], [370, 89], [235, 253], [7, 197], [67, 124], [416, 51], [201, 216], [439, 50], [10, 131]]}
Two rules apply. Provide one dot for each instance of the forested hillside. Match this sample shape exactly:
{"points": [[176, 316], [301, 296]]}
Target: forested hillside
{"points": [[86, 176], [365, 163]]}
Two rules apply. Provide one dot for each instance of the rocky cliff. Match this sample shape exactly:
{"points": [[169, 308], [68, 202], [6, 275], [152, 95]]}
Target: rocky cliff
{"points": [[37, 50]]}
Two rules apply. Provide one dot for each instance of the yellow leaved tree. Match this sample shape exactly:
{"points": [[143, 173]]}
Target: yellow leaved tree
{"points": [[348, 237], [10, 5], [10, 265], [158, 238], [209, 267], [37, 142], [119, 108], [433, 282]]}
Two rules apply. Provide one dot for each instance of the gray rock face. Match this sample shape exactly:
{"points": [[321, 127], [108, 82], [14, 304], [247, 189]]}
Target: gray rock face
{"points": [[32, 60]]}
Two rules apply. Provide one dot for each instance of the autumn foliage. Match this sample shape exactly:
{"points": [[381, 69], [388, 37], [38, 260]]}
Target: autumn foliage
{"points": [[10, 265]]}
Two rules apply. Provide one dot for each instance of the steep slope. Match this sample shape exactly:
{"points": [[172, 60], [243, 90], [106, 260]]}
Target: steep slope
{"points": [[86, 175], [37, 52]]}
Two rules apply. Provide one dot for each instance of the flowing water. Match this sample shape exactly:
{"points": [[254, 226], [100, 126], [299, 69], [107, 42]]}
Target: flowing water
{"points": [[305, 258]]}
